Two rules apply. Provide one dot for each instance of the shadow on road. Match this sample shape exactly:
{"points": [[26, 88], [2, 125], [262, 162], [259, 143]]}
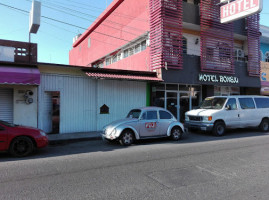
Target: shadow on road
{"points": [[104, 146]]}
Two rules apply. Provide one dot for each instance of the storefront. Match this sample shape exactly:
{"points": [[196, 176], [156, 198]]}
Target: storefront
{"points": [[184, 90], [18, 94]]}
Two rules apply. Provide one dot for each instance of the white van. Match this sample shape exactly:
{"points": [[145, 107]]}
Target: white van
{"points": [[220, 112]]}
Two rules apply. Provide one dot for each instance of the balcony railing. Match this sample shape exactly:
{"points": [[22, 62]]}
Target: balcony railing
{"points": [[23, 52]]}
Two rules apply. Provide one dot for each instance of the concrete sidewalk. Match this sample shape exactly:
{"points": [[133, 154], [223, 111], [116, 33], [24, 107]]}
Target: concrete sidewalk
{"points": [[73, 137]]}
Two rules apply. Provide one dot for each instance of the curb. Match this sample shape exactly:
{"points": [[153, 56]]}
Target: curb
{"points": [[73, 140]]}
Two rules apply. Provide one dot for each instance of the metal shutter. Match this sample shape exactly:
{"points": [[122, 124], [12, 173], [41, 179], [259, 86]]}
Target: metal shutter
{"points": [[6, 104]]}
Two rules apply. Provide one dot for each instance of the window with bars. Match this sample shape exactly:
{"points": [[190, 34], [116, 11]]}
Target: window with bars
{"points": [[209, 54], [224, 52]]}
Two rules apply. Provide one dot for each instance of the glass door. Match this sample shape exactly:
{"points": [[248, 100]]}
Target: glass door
{"points": [[185, 105], [172, 103]]}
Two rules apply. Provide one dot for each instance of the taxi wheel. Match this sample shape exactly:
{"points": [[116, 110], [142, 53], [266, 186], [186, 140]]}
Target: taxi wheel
{"points": [[264, 126], [176, 133], [219, 129], [21, 146], [127, 138]]}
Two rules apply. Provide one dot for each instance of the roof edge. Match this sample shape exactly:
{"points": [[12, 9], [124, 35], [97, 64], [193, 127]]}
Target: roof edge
{"points": [[98, 21]]}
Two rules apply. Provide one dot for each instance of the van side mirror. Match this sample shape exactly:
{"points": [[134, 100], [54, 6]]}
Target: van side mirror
{"points": [[228, 107]]}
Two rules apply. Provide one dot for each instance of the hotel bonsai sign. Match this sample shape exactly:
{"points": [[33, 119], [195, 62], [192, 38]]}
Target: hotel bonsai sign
{"points": [[239, 9], [218, 78]]}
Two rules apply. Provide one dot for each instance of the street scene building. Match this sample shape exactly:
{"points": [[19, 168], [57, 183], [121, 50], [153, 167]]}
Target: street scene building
{"points": [[64, 98], [183, 41]]}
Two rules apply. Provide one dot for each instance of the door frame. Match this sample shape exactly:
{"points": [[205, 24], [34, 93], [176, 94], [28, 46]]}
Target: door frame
{"points": [[178, 100]]}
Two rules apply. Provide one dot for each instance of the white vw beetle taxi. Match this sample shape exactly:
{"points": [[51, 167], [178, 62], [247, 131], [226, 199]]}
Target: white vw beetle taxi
{"points": [[144, 123]]}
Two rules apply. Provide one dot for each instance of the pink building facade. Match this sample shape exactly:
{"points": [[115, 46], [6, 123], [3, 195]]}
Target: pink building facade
{"points": [[183, 41]]}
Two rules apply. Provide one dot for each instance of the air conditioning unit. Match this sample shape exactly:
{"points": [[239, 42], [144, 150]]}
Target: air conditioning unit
{"points": [[240, 53]]}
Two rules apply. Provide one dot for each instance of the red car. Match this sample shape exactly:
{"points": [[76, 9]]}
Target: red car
{"points": [[20, 140]]}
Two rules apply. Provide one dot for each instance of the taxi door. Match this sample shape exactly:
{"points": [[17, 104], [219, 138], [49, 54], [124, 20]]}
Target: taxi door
{"points": [[148, 124]]}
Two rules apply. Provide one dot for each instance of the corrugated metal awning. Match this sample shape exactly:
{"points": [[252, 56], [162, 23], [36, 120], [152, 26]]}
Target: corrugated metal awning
{"points": [[19, 75], [122, 76]]}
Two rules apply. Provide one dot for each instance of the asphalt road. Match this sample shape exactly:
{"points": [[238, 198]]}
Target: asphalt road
{"points": [[199, 166]]}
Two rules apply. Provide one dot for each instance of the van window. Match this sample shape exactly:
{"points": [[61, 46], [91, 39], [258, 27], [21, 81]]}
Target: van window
{"points": [[232, 104], [262, 102], [246, 103]]}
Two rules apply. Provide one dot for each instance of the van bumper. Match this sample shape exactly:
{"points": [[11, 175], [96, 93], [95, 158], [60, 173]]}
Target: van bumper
{"points": [[199, 125]]}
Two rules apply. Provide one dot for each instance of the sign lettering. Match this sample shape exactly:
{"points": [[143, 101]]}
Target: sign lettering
{"points": [[239, 9], [218, 78], [150, 125]]}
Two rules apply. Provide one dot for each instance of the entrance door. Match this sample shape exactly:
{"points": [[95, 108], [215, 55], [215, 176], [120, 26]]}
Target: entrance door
{"points": [[172, 103], [178, 103], [47, 115], [185, 103], [51, 116]]}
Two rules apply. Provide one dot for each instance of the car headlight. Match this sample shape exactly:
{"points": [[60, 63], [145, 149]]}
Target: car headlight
{"points": [[113, 132], [207, 118], [43, 133], [186, 118]]}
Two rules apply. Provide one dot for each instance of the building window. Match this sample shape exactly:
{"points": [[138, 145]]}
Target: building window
{"points": [[184, 45], [108, 61], [125, 53], [137, 48], [143, 45], [209, 53], [118, 56], [224, 52], [114, 59], [131, 51]]}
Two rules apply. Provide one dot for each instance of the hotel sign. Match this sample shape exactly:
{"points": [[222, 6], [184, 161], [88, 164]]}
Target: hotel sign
{"points": [[218, 78], [239, 9]]}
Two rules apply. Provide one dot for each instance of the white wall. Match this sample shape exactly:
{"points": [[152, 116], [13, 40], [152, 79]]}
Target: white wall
{"points": [[120, 97], [81, 98], [25, 114], [192, 48]]}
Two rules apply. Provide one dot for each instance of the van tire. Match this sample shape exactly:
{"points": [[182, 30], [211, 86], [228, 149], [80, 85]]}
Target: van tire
{"points": [[219, 128], [264, 125]]}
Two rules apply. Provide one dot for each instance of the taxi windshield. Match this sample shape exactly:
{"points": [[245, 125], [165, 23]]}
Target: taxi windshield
{"points": [[213, 103], [135, 113]]}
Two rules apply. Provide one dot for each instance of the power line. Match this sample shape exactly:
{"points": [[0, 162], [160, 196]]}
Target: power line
{"points": [[59, 21], [85, 19], [24, 13], [92, 16]]}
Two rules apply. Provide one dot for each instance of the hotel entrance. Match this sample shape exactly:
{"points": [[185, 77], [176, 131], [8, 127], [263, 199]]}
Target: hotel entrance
{"points": [[176, 98]]}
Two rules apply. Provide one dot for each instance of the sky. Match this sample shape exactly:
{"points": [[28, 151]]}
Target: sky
{"points": [[55, 39]]}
